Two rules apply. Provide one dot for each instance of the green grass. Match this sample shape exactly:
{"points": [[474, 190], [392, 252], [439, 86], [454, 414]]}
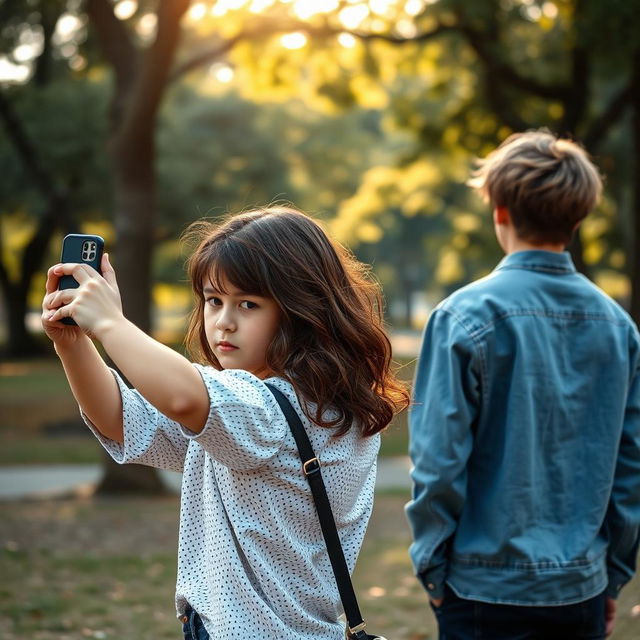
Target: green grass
{"points": [[392, 601], [34, 396], [26, 381], [395, 437], [46, 450], [84, 569], [60, 595], [106, 569], [76, 569]]}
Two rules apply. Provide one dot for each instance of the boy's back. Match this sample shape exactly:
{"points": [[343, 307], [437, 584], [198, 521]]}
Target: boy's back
{"points": [[525, 435]]}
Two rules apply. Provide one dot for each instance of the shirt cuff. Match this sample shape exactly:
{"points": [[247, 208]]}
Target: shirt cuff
{"points": [[616, 582], [433, 582]]}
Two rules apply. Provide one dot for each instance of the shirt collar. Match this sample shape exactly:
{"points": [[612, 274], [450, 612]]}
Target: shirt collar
{"points": [[536, 260]]}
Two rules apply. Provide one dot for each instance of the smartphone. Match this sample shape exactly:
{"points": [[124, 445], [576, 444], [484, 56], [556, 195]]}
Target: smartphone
{"points": [[80, 248]]}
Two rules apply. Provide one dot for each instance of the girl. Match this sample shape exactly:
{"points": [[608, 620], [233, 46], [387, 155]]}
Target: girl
{"points": [[277, 301]]}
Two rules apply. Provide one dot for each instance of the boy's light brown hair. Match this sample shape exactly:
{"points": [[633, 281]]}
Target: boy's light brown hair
{"points": [[548, 185]]}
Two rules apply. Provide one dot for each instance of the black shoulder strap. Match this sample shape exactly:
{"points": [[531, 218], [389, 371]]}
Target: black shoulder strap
{"points": [[311, 469]]}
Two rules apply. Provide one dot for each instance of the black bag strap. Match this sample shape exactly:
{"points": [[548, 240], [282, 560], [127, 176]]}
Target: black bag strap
{"points": [[311, 469]]}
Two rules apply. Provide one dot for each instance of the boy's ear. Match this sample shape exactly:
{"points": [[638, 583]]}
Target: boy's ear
{"points": [[501, 215]]}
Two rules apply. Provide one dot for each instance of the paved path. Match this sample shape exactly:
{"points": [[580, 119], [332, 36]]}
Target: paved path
{"points": [[32, 481]]}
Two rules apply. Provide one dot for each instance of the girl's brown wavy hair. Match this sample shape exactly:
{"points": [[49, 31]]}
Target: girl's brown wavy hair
{"points": [[331, 344]]}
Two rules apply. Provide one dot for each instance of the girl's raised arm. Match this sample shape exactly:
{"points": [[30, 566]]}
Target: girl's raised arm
{"points": [[91, 381], [165, 378], [94, 387]]}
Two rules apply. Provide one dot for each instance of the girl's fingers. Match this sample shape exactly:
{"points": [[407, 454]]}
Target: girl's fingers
{"points": [[108, 272], [65, 311], [59, 298], [52, 279], [81, 272], [59, 304], [57, 315]]}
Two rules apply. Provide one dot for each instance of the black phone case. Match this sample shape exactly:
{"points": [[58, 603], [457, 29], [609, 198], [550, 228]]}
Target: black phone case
{"points": [[77, 247]]}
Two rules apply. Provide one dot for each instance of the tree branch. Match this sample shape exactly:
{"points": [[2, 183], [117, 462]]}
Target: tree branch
{"points": [[575, 104], [25, 149], [56, 202], [269, 28], [115, 42], [501, 105], [5, 283], [49, 14], [476, 39], [500, 70], [34, 251], [609, 117], [154, 70]]}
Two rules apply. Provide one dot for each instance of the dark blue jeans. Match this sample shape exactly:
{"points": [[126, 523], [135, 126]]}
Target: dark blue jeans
{"points": [[460, 619], [192, 626]]}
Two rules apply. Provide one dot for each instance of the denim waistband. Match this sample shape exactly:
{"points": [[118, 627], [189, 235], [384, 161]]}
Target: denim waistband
{"points": [[192, 626]]}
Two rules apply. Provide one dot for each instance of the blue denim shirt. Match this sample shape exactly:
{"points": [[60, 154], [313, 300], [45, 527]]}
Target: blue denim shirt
{"points": [[525, 439]]}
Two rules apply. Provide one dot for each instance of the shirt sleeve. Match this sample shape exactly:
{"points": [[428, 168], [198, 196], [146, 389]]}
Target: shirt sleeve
{"points": [[150, 438], [245, 427], [445, 405], [622, 522]]}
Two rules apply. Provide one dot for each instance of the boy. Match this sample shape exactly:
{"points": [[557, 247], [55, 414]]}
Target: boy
{"points": [[525, 432]]}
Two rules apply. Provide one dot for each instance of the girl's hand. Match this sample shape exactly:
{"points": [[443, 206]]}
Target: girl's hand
{"points": [[94, 305]]}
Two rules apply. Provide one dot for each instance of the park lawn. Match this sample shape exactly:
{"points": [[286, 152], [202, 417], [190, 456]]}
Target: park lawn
{"points": [[105, 568], [83, 569], [39, 419], [40, 423], [89, 568]]}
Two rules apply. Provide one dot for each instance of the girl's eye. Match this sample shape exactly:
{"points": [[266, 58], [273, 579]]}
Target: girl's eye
{"points": [[213, 301], [247, 304]]}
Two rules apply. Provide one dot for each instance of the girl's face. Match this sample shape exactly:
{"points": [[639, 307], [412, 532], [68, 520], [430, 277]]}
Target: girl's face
{"points": [[240, 327]]}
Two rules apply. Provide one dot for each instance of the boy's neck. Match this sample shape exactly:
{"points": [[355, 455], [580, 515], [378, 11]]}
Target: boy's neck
{"points": [[516, 244], [511, 242]]}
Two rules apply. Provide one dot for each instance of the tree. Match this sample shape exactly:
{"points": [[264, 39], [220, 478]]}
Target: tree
{"points": [[492, 68], [47, 168], [483, 68]]}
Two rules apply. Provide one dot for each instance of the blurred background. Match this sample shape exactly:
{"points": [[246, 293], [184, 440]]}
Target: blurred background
{"points": [[132, 118]]}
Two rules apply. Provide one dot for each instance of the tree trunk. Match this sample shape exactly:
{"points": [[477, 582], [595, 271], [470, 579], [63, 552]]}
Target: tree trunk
{"points": [[576, 250], [141, 80], [135, 215], [55, 216], [135, 219], [129, 478], [20, 343]]}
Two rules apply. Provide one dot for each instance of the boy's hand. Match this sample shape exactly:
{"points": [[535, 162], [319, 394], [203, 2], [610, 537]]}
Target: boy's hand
{"points": [[94, 305], [610, 615]]}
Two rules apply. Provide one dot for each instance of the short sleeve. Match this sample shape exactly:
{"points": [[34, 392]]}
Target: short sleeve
{"points": [[245, 427], [150, 438]]}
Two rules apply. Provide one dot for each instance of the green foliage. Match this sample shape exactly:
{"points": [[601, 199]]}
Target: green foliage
{"points": [[65, 121], [229, 154], [609, 28], [217, 155], [377, 132]]}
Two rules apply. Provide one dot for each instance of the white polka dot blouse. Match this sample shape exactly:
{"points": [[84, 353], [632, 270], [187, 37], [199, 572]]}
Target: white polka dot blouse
{"points": [[251, 557]]}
